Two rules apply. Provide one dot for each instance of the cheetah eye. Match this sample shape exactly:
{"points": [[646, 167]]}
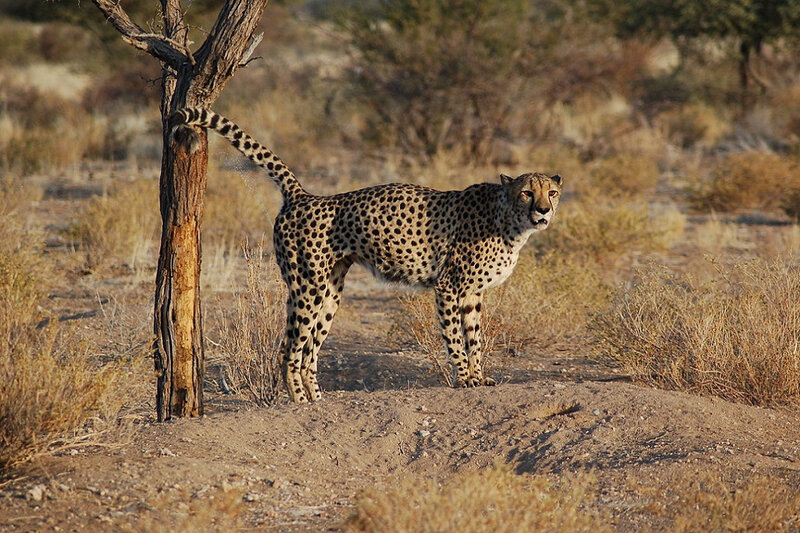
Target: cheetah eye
{"points": [[526, 195], [553, 194]]}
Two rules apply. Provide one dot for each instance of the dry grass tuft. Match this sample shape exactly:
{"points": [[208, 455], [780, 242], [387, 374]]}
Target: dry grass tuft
{"points": [[603, 230], [549, 299], [707, 501], [120, 228], [749, 180], [52, 386], [758, 504], [251, 341], [692, 125], [624, 175], [734, 336], [494, 499]]}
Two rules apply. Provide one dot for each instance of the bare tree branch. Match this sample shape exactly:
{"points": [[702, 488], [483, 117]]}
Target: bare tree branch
{"points": [[221, 53], [167, 50], [250, 49]]}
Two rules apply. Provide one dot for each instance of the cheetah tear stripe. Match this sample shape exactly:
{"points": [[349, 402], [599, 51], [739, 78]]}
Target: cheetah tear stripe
{"points": [[460, 243]]}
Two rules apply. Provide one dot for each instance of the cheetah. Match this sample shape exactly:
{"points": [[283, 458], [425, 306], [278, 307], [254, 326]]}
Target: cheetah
{"points": [[459, 243]]}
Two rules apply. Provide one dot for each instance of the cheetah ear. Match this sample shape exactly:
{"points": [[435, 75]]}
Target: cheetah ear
{"points": [[556, 178], [506, 180]]}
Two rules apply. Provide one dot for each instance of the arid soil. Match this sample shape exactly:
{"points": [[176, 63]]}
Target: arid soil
{"points": [[384, 417]]}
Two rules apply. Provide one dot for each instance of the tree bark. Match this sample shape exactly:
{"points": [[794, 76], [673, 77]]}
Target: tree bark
{"points": [[188, 80]]}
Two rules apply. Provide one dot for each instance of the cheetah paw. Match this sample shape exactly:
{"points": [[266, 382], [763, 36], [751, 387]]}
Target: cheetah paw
{"points": [[489, 382]]}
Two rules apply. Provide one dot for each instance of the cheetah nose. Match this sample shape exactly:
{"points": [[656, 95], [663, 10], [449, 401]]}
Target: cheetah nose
{"points": [[543, 210]]}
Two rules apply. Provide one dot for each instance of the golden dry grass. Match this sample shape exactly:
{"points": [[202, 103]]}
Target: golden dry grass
{"points": [[710, 501], [604, 229], [624, 175], [760, 503], [494, 499], [250, 353], [119, 228], [52, 386], [549, 299], [749, 180], [734, 336]]}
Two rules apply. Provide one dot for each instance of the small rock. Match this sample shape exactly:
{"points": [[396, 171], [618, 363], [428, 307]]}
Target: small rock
{"points": [[251, 497], [423, 433], [166, 452], [36, 493], [596, 412]]}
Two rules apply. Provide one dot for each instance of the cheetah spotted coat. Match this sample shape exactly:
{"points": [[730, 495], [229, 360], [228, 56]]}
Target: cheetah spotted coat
{"points": [[459, 243]]}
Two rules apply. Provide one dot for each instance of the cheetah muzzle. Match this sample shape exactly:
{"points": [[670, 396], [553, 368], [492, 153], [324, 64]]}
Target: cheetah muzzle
{"points": [[459, 243]]}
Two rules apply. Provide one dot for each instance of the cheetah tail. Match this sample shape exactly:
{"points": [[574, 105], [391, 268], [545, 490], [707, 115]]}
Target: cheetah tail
{"points": [[276, 169]]}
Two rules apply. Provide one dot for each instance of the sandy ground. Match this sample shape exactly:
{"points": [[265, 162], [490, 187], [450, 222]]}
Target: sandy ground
{"points": [[384, 417]]}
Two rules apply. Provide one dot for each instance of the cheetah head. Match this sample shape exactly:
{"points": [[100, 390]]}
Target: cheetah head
{"points": [[533, 198]]}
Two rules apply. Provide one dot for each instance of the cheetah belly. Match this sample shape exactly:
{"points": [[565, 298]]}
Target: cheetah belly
{"points": [[502, 272]]}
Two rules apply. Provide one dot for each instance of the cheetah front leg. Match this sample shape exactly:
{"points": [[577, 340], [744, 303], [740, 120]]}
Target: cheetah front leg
{"points": [[449, 313], [471, 326]]}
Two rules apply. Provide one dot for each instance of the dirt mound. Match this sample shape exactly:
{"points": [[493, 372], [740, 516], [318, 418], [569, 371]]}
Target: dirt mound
{"points": [[299, 467]]}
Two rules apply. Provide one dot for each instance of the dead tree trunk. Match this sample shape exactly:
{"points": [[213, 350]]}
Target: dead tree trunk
{"points": [[189, 79]]}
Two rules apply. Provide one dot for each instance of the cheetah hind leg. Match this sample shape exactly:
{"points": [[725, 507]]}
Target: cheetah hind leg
{"points": [[471, 326], [301, 317], [331, 297]]}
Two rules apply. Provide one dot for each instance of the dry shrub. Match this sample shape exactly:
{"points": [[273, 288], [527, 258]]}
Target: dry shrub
{"points": [[734, 336], [17, 42], [40, 131], [51, 41], [748, 180], [417, 319], [428, 71], [604, 230], [549, 299], [706, 501], [756, 504], [52, 387], [121, 227], [132, 85], [790, 202], [554, 158], [494, 499], [592, 119], [251, 341], [692, 125], [624, 175]]}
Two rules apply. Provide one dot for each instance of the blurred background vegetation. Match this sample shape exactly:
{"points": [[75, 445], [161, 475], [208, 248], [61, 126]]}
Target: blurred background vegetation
{"points": [[480, 81]]}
